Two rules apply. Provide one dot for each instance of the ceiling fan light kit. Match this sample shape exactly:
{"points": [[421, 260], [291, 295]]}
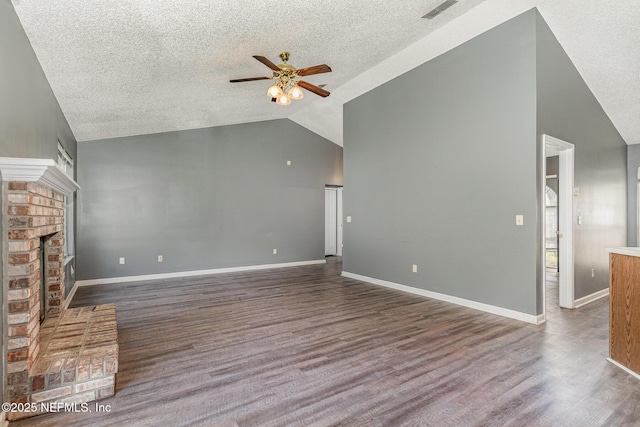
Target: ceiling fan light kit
{"points": [[274, 91], [287, 87], [283, 99], [295, 93]]}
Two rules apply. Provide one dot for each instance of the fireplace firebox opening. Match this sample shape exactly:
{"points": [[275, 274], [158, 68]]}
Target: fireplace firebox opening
{"points": [[44, 269]]}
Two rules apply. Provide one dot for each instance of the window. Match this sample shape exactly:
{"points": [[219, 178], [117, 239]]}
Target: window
{"points": [[65, 162]]}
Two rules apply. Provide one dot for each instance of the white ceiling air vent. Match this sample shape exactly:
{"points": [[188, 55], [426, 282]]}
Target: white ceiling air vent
{"points": [[439, 9]]}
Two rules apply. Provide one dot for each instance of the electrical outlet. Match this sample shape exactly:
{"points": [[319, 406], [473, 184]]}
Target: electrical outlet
{"points": [[348, 218], [275, 251], [519, 219], [121, 260], [160, 258], [593, 273], [288, 162], [415, 268]]}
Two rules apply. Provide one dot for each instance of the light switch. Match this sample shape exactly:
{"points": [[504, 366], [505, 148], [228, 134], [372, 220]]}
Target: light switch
{"points": [[348, 219], [576, 191], [121, 260], [288, 162], [275, 251], [160, 258], [519, 219]]}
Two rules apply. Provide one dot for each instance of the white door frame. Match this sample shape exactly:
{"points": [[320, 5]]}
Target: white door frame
{"points": [[553, 146], [638, 209], [339, 220], [330, 221]]}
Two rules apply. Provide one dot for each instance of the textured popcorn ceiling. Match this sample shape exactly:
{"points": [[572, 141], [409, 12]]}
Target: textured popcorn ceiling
{"points": [[140, 66], [143, 66]]}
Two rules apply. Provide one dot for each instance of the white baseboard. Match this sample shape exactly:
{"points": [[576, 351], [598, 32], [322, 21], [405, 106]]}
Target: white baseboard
{"points": [[624, 368], [192, 273], [590, 298], [505, 312], [68, 298]]}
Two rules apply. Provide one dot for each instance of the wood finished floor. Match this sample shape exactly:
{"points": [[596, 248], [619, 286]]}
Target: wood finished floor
{"points": [[306, 347]]}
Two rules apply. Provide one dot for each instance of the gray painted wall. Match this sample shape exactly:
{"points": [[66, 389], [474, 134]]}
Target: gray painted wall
{"points": [[568, 110], [633, 163], [204, 199], [437, 164], [31, 120], [440, 160]]}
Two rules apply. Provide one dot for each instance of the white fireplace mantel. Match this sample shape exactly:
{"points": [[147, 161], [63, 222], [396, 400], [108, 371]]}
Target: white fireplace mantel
{"points": [[44, 171]]}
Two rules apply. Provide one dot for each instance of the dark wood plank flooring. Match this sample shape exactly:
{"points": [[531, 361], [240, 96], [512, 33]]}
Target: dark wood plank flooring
{"points": [[304, 346]]}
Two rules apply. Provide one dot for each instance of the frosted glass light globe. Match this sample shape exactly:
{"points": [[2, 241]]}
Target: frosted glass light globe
{"points": [[274, 91], [296, 93]]}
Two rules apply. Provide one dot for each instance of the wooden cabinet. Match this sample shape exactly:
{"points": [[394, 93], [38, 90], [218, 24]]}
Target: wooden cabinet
{"points": [[624, 310]]}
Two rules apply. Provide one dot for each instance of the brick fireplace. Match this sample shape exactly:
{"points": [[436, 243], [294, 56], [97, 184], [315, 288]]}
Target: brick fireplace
{"points": [[51, 354], [36, 216]]}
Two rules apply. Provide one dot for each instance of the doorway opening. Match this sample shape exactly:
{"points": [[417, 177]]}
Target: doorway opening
{"points": [[333, 221], [564, 151], [551, 235]]}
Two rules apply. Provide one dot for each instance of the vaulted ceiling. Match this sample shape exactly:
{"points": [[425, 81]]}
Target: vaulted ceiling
{"points": [[132, 67]]}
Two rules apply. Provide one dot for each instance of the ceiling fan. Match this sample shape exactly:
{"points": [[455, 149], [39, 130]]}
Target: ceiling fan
{"points": [[287, 86]]}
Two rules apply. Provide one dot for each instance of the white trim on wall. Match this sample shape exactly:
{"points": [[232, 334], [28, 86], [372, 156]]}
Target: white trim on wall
{"points": [[3, 420], [505, 312], [565, 151], [46, 171], [192, 273], [339, 193], [638, 209], [590, 298], [68, 298], [624, 368]]}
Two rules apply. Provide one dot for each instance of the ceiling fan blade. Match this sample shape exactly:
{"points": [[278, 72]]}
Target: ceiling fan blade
{"points": [[266, 62], [316, 69], [313, 88], [250, 79]]}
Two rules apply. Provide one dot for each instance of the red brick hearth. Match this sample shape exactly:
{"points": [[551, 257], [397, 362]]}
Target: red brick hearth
{"points": [[53, 354]]}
